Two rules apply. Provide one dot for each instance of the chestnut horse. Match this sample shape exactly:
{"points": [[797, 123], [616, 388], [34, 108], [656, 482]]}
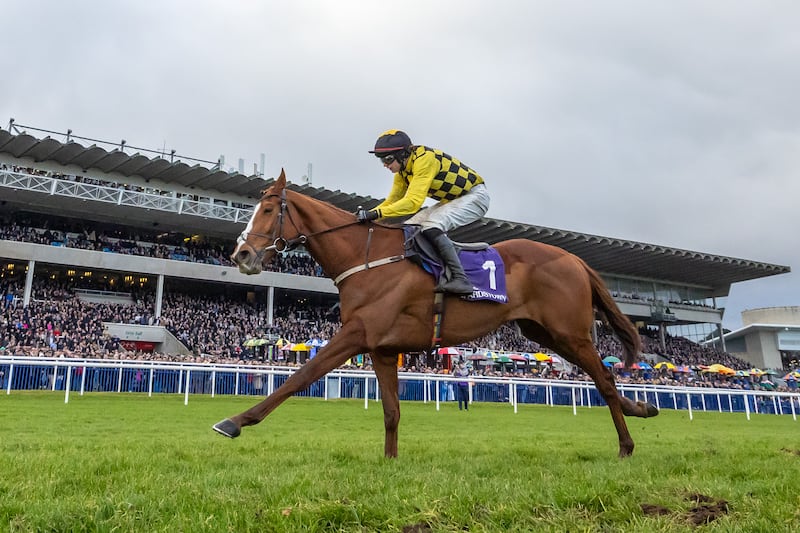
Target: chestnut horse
{"points": [[388, 308]]}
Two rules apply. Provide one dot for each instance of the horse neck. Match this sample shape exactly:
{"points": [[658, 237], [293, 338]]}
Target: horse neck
{"points": [[335, 243]]}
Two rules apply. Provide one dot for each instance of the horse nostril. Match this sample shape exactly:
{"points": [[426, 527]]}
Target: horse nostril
{"points": [[240, 257]]}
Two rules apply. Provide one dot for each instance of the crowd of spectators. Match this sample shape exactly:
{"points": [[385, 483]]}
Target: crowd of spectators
{"points": [[57, 323], [85, 235], [677, 350], [215, 329]]}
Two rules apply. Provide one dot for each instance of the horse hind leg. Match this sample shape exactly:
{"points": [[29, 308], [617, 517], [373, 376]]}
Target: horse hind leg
{"points": [[537, 333], [581, 351], [588, 359]]}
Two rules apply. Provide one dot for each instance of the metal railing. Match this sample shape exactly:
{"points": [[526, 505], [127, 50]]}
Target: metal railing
{"points": [[91, 375], [121, 196]]}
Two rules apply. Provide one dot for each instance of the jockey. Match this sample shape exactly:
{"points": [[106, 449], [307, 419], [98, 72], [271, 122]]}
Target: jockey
{"points": [[420, 172]]}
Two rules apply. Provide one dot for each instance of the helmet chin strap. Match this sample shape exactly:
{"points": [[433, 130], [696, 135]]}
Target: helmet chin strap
{"points": [[403, 159]]}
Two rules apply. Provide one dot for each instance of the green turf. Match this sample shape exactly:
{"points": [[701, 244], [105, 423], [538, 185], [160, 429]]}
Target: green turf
{"points": [[110, 462]]}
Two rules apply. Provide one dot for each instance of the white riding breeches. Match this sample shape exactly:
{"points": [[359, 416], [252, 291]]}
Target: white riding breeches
{"points": [[456, 213]]}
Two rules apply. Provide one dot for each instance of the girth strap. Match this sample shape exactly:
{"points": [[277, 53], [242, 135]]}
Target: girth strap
{"points": [[366, 266], [438, 315]]}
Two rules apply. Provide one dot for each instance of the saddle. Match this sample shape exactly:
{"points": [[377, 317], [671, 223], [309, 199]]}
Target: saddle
{"points": [[482, 264]]}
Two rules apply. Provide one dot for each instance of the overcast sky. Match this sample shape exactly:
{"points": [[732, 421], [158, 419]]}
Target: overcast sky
{"points": [[674, 123]]}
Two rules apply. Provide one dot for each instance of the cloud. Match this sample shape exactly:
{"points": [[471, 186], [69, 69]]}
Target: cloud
{"points": [[674, 124]]}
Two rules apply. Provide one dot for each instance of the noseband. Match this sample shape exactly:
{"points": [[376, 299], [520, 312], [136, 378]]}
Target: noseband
{"points": [[279, 243]]}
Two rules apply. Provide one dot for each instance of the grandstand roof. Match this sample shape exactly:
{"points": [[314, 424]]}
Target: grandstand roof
{"points": [[606, 254]]}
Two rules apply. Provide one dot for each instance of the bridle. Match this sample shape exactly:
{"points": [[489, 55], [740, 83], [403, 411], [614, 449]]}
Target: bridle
{"points": [[280, 243]]}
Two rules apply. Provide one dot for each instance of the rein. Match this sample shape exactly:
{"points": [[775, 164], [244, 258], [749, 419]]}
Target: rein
{"points": [[281, 244]]}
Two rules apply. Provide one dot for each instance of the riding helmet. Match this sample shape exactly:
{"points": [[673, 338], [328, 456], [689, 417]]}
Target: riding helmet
{"points": [[391, 141]]}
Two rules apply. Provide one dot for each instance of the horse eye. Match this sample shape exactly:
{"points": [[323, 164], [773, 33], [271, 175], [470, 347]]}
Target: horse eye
{"points": [[268, 210]]}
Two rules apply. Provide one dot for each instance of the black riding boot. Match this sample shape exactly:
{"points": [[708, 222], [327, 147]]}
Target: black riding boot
{"points": [[458, 282]]}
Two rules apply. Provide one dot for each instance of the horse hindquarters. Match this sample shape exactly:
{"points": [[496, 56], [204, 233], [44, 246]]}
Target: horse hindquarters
{"points": [[582, 352]]}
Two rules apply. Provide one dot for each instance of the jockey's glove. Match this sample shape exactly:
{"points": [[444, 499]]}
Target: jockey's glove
{"points": [[364, 215]]}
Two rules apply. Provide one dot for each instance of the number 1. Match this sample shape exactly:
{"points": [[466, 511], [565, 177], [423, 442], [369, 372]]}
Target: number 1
{"points": [[490, 266]]}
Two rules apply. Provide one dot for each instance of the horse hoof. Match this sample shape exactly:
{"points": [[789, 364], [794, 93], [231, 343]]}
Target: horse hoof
{"points": [[646, 409], [227, 428]]}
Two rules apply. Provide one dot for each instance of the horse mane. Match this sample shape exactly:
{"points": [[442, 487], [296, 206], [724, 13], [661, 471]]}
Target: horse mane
{"points": [[329, 205], [317, 201]]}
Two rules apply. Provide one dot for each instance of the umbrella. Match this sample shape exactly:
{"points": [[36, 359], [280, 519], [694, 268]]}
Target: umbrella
{"points": [[795, 375], [721, 369], [645, 366], [767, 385], [254, 342], [447, 351], [756, 372], [611, 359], [503, 359], [301, 347], [665, 364], [539, 356], [684, 369], [477, 357], [516, 357], [555, 359]]}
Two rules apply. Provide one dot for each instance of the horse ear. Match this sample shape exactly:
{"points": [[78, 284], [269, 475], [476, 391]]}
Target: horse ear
{"points": [[280, 183]]}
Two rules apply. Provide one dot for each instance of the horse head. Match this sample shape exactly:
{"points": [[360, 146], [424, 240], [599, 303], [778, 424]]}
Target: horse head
{"points": [[270, 230]]}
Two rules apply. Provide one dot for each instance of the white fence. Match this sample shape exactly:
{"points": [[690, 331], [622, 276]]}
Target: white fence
{"points": [[82, 376]]}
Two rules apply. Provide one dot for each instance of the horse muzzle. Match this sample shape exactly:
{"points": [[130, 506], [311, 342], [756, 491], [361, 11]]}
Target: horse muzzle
{"points": [[247, 259]]}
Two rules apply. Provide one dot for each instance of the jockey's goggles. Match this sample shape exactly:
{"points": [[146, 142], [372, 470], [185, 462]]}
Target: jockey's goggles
{"points": [[387, 159]]}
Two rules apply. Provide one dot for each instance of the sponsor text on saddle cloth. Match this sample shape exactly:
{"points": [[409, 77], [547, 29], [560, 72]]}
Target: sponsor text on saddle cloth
{"points": [[484, 267]]}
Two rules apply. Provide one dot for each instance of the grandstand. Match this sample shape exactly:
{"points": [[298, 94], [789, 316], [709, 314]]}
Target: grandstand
{"points": [[171, 221]]}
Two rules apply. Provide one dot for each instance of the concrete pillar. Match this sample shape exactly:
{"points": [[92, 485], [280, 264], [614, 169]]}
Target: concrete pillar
{"points": [[26, 298], [721, 337], [270, 304], [159, 295]]}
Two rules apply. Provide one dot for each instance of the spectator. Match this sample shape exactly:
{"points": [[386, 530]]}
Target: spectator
{"points": [[462, 385]]}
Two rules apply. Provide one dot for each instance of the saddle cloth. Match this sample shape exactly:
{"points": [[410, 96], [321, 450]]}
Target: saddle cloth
{"points": [[482, 264]]}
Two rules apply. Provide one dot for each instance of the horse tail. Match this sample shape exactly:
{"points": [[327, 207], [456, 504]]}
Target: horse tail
{"points": [[610, 313]]}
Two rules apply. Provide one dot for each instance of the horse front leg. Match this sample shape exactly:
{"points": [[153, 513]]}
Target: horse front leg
{"points": [[640, 408], [345, 344], [385, 367]]}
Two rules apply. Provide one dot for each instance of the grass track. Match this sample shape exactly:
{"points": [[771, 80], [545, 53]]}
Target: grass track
{"points": [[109, 462]]}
